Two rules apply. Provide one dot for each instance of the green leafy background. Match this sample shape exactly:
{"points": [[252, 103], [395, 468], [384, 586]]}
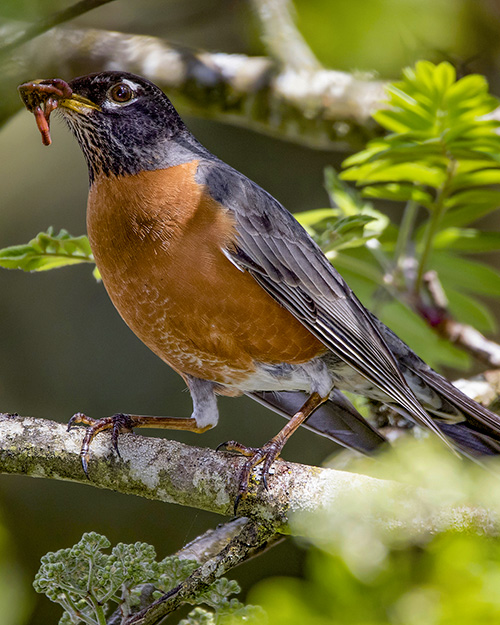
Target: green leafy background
{"points": [[63, 348]]}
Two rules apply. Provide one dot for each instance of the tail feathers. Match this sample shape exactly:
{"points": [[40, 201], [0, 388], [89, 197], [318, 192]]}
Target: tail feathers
{"points": [[469, 441], [336, 419], [479, 417]]}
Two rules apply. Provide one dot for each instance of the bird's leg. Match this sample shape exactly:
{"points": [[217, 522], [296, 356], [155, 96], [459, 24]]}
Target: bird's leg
{"points": [[204, 417], [121, 422], [268, 453]]}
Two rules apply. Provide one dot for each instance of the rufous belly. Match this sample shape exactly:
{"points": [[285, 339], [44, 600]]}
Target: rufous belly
{"points": [[157, 238]]}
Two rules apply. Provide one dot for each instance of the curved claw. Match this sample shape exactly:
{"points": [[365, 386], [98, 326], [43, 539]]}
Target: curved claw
{"points": [[85, 464], [266, 455], [114, 437], [77, 418], [117, 423], [237, 448], [236, 504]]}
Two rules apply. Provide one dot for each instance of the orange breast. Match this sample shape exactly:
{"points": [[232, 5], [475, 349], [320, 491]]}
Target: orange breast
{"points": [[157, 238]]}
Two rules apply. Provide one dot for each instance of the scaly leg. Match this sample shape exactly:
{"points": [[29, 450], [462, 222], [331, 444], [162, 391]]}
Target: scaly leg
{"points": [[204, 417], [268, 453]]}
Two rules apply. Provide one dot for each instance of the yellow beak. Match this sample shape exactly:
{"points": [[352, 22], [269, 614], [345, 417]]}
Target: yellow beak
{"points": [[79, 104]]}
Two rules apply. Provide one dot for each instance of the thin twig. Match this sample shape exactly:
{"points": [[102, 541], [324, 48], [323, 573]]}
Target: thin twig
{"points": [[281, 36], [251, 537], [49, 22], [461, 334]]}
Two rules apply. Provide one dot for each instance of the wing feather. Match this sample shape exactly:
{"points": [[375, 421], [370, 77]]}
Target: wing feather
{"points": [[273, 247]]}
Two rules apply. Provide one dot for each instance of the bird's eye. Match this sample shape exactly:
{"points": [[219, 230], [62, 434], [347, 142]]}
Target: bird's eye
{"points": [[121, 93]]}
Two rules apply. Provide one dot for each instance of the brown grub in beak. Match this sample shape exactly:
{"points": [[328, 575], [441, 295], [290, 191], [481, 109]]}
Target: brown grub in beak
{"points": [[40, 98]]}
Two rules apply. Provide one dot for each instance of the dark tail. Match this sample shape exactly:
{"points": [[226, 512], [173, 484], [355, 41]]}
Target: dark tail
{"points": [[479, 433], [336, 419], [471, 442]]}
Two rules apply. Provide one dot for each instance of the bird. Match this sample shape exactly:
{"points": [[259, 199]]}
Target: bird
{"points": [[222, 283]]}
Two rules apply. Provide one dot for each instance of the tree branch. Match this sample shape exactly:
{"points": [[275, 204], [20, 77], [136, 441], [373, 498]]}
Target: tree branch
{"points": [[281, 36], [211, 543], [250, 538], [210, 547], [461, 334], [322, 109], [45, 24], [202, 478]]}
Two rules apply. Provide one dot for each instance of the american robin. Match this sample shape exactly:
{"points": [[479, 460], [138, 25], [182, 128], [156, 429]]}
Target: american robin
{"points": [[224, 285]]}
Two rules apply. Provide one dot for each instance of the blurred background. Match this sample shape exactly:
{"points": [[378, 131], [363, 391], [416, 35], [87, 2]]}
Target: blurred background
{"points": [[63, 347]]}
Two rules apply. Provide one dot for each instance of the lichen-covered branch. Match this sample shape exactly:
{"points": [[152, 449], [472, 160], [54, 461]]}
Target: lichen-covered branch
{"points": [[239, 537], [202, 478], [210, 543], [251, 537], [320, 108]]}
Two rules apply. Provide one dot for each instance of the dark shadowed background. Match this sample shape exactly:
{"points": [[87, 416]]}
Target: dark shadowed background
{"points": [[63, 347]]}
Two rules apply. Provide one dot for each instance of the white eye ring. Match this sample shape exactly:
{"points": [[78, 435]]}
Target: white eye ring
{"points": [[122, 93]]}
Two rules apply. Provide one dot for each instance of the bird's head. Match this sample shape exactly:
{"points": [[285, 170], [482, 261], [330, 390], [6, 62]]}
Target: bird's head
{"points": [[122, 122]]}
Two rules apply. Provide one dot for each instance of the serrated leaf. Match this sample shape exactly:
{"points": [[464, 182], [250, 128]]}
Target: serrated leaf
{"points": [[47, 251]]}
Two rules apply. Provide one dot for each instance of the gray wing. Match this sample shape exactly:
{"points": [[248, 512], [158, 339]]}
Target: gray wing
{"points": [[274, 248]]}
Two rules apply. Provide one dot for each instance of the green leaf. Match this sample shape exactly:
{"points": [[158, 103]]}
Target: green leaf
{"points": [[469, 310], [359, 263], [476, 179], [466, 275], [47, 251], [384, 171], [348, 200], [399, 192], [311, 218], [467, 240], [467, 206], [414, 331], [394, 121]]}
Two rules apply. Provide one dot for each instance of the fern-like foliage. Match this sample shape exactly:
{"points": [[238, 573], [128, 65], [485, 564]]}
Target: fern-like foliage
{"points": [[440, 161]]}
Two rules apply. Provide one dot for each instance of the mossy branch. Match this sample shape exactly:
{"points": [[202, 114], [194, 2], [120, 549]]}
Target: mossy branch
{"points": [[320, 108], [169, 471]]}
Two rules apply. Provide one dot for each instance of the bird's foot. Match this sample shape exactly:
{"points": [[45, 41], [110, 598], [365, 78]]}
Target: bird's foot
{"points": [[264, 455], [117, 423]]}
